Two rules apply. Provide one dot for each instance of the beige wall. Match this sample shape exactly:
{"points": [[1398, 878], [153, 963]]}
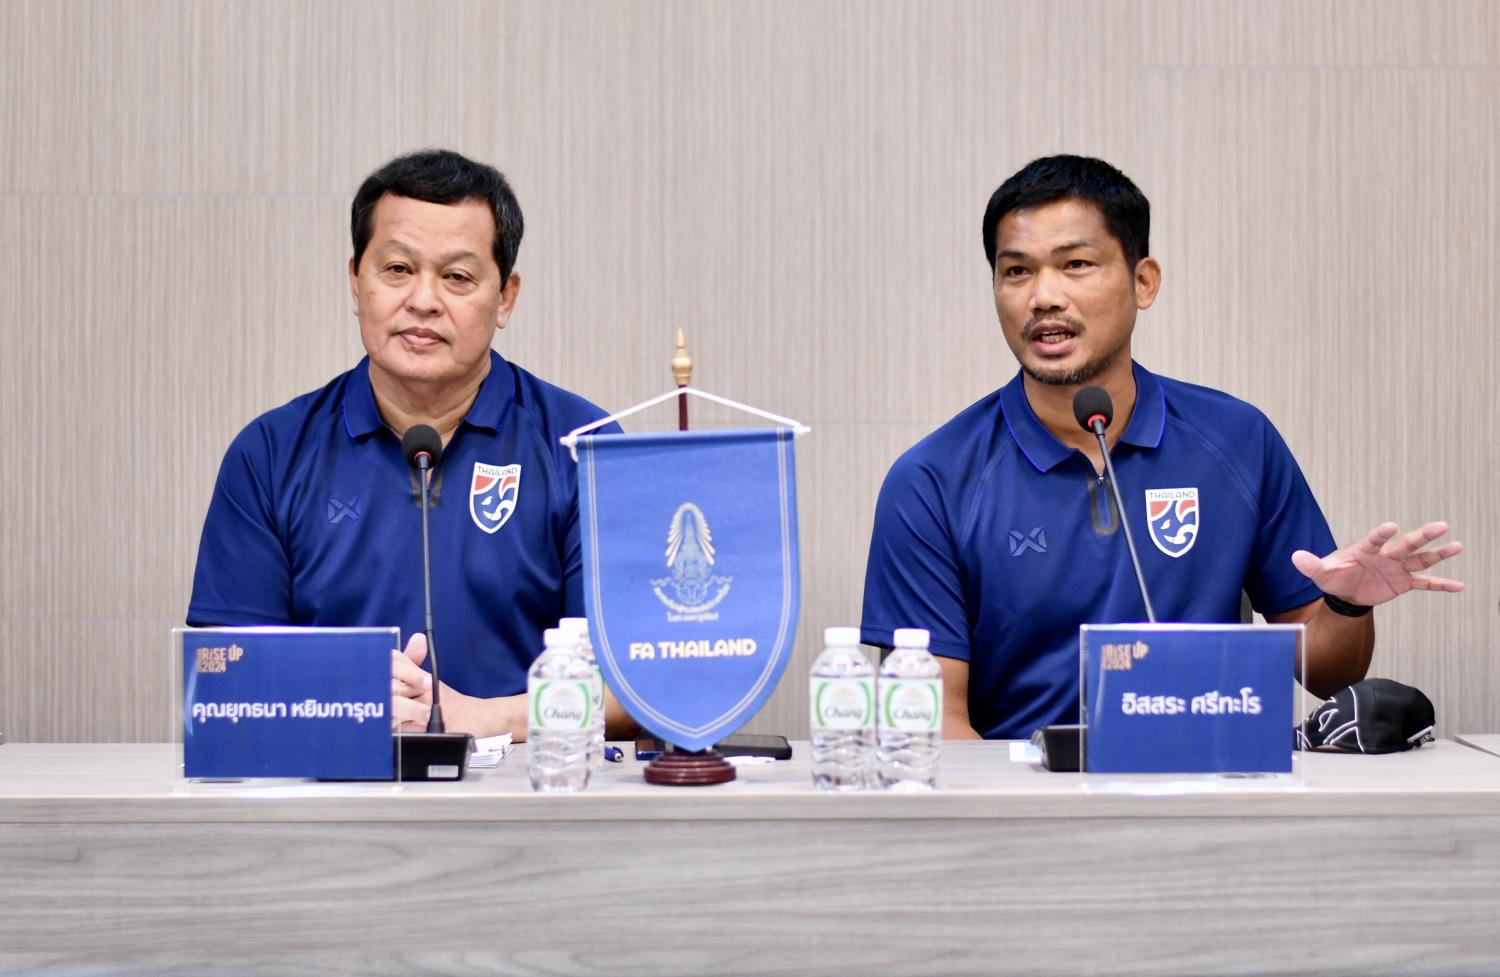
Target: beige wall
{"points": [[799, 186]]}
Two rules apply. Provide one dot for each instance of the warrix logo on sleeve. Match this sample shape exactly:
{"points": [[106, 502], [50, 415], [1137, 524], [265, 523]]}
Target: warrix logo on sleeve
{"points": [[492, 494], [1172, 515]]}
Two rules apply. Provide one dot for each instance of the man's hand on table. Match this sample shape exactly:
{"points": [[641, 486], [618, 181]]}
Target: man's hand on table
{"points": [[411, 700], [411, 688]]}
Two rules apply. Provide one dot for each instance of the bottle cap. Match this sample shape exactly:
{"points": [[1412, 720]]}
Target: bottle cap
{"points": [[577, 626], [840, 637], [558, 638], [911, 637]]}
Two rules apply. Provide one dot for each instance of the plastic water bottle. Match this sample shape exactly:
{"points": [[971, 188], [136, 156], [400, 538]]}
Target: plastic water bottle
{"points": [[579, 628], [559, 724], [841, 693], [911, 714]]}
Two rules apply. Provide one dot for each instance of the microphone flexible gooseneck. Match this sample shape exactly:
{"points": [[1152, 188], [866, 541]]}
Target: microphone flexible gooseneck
{"points": [[423, 448], [435, 754], [1094, 411]]}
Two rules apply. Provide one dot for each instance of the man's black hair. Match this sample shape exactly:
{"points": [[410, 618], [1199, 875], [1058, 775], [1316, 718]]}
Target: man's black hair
{"points": [[1127, 212], [441, 176]]}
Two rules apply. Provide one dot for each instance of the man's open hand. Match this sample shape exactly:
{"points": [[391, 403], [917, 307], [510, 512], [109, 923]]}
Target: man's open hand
{"points": [[1383, 565]]}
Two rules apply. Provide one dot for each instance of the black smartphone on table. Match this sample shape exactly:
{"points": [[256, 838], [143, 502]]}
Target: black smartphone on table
{"points": [[738, 744]]}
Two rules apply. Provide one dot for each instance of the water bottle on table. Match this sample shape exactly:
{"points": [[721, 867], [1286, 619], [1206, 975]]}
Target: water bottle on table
{"points": [[911, 714], [559, 724], [579, 628], [841, 693]]}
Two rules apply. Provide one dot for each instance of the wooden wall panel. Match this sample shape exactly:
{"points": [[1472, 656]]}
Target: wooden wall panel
{"points": [[798, 185]]}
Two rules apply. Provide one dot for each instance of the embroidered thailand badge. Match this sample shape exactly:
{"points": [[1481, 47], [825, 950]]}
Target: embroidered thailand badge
{"points": [[492, 494], [1172, 515]]}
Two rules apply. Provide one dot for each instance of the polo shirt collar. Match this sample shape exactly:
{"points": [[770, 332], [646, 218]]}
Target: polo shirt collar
{"points": [[1149, 418], [1043, 449], [362, 418], [496, 392]]}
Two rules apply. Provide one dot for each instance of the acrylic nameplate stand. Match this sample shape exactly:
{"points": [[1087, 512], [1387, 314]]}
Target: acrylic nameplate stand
{"points": [[1183, 708]]}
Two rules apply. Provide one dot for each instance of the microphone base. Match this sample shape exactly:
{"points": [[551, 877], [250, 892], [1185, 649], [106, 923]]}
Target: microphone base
{"points": [[432, 756], [1061, 747]]}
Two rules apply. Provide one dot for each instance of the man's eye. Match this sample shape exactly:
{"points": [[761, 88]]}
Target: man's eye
{"points": [[397, 268], [1013, 271], [460, 277], [1078, 263]]}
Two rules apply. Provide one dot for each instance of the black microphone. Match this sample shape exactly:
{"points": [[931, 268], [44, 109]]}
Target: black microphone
{"points": [[422, 446], [1094, 411], [435, 754], [1092, 404]]}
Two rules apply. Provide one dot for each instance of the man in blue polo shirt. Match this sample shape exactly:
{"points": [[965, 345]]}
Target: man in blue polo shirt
{"points": [[998, 535], [315, 517]]}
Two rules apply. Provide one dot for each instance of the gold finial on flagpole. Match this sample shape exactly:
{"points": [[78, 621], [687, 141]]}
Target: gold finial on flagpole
{"points": [[682, 369], [682, 364]]}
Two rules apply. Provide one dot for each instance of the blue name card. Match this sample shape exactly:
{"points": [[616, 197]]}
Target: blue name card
{"points": [[287, 702], [1189, 698]]}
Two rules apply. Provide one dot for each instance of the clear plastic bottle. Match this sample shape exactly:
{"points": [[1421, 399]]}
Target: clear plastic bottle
{"points": [[911, 714], [559, 720], [841, 693], [579, 628]]}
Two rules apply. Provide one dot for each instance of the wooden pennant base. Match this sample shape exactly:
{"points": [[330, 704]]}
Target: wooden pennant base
{"points": [[676, 769]]}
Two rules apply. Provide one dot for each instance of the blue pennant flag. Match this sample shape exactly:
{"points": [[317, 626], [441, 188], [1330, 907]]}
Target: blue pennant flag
{"points": [[690, 573]]}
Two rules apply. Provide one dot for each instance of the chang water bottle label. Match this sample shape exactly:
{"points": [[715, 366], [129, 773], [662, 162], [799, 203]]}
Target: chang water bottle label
{"points": [[596, 693], [912, 706], [563, 706], [842, 703]]}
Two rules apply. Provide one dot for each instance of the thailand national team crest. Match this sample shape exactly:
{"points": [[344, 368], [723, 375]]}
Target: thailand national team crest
{"points": [[1172, 515], [492, 494]]}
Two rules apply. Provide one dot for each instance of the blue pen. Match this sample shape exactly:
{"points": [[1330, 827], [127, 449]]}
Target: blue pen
{"points": [[614, 754]]}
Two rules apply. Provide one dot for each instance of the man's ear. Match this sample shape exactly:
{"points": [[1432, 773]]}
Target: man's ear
{"points": [[1147, 282], [508, 296], [354, 284]]}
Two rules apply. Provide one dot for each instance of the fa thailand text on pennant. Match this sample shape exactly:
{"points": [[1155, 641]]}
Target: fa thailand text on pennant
{"points": [[691, 573]]}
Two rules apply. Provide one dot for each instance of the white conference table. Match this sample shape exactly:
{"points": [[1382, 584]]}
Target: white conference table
{"points": [[1488, 742], [1369, 865]]}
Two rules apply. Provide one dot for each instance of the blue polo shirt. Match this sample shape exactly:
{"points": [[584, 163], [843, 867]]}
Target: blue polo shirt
{"points": [[1000, 540], [316, 520]]}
